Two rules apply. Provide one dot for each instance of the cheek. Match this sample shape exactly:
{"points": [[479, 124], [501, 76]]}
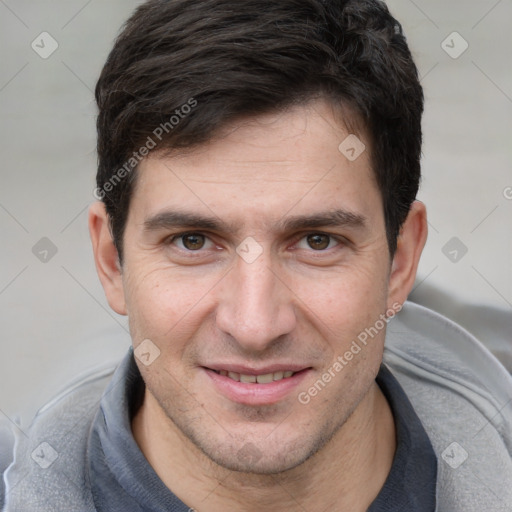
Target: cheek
{"points": [[162, 304], [344, 298], [343, 308]]}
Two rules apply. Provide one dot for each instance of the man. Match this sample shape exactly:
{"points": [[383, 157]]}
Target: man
{"points": [[258, 168]]}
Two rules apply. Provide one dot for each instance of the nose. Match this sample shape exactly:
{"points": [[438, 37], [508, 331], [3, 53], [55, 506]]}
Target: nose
{"points": [[255, 306]]}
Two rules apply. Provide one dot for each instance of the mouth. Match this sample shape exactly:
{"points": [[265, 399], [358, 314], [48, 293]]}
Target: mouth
{"points": [[265, 378], [256, 387]]}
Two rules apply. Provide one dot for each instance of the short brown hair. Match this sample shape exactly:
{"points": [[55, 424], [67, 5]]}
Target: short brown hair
{"points": [[248, 57]]}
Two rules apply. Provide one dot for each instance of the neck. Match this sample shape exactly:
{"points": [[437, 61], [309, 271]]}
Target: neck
{"points": [[360, 455]]}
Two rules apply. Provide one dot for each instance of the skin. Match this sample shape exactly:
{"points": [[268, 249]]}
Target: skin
{"points": [[296, 303]]}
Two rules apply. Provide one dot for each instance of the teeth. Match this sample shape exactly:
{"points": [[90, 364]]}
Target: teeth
{"points": [[266, 378]]}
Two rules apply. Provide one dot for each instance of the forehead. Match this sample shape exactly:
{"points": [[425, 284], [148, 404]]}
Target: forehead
{"points": [[289, 162]]}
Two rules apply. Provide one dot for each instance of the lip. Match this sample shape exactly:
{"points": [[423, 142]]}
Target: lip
{"points": [[251, 370], [255, 394]]}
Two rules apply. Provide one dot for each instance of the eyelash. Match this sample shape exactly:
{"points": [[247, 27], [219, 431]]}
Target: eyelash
{"points": [[179, 236], [340, 241]]}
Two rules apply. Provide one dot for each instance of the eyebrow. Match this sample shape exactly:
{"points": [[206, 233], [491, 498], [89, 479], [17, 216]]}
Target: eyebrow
{"points": [[333, 218]]}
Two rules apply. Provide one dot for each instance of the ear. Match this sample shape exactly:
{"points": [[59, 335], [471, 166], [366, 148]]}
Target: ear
{"points": [[411, 241], [106, 257]]}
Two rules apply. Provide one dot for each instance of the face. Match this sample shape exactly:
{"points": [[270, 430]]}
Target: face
{"points": [[252, 264]]}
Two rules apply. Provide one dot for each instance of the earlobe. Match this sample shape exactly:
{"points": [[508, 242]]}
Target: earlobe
{"points": [[411, 241], [106, 257]]}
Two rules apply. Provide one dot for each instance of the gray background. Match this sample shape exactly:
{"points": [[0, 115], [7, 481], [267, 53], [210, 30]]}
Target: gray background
{"points": [[55, 320]]}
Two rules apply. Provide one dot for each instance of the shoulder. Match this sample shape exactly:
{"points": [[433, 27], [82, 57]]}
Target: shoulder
{"points": [[463, 396], [48, 467]]}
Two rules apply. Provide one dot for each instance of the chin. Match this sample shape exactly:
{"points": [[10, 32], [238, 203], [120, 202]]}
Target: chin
{"points": [[262, 457], [251, 461]]}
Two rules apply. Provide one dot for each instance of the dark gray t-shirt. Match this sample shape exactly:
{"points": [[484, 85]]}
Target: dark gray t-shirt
{"points": [[122, 479]]}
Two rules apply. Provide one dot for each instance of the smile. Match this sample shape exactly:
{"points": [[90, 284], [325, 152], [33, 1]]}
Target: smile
{"points": [[252, 387], [266, 378]]}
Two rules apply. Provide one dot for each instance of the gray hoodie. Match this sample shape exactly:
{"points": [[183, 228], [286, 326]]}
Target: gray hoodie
{"points": [[459, 390]]}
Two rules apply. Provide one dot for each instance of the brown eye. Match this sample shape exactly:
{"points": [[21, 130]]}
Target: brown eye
{"points": [[318, 242], [193, 241]]}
